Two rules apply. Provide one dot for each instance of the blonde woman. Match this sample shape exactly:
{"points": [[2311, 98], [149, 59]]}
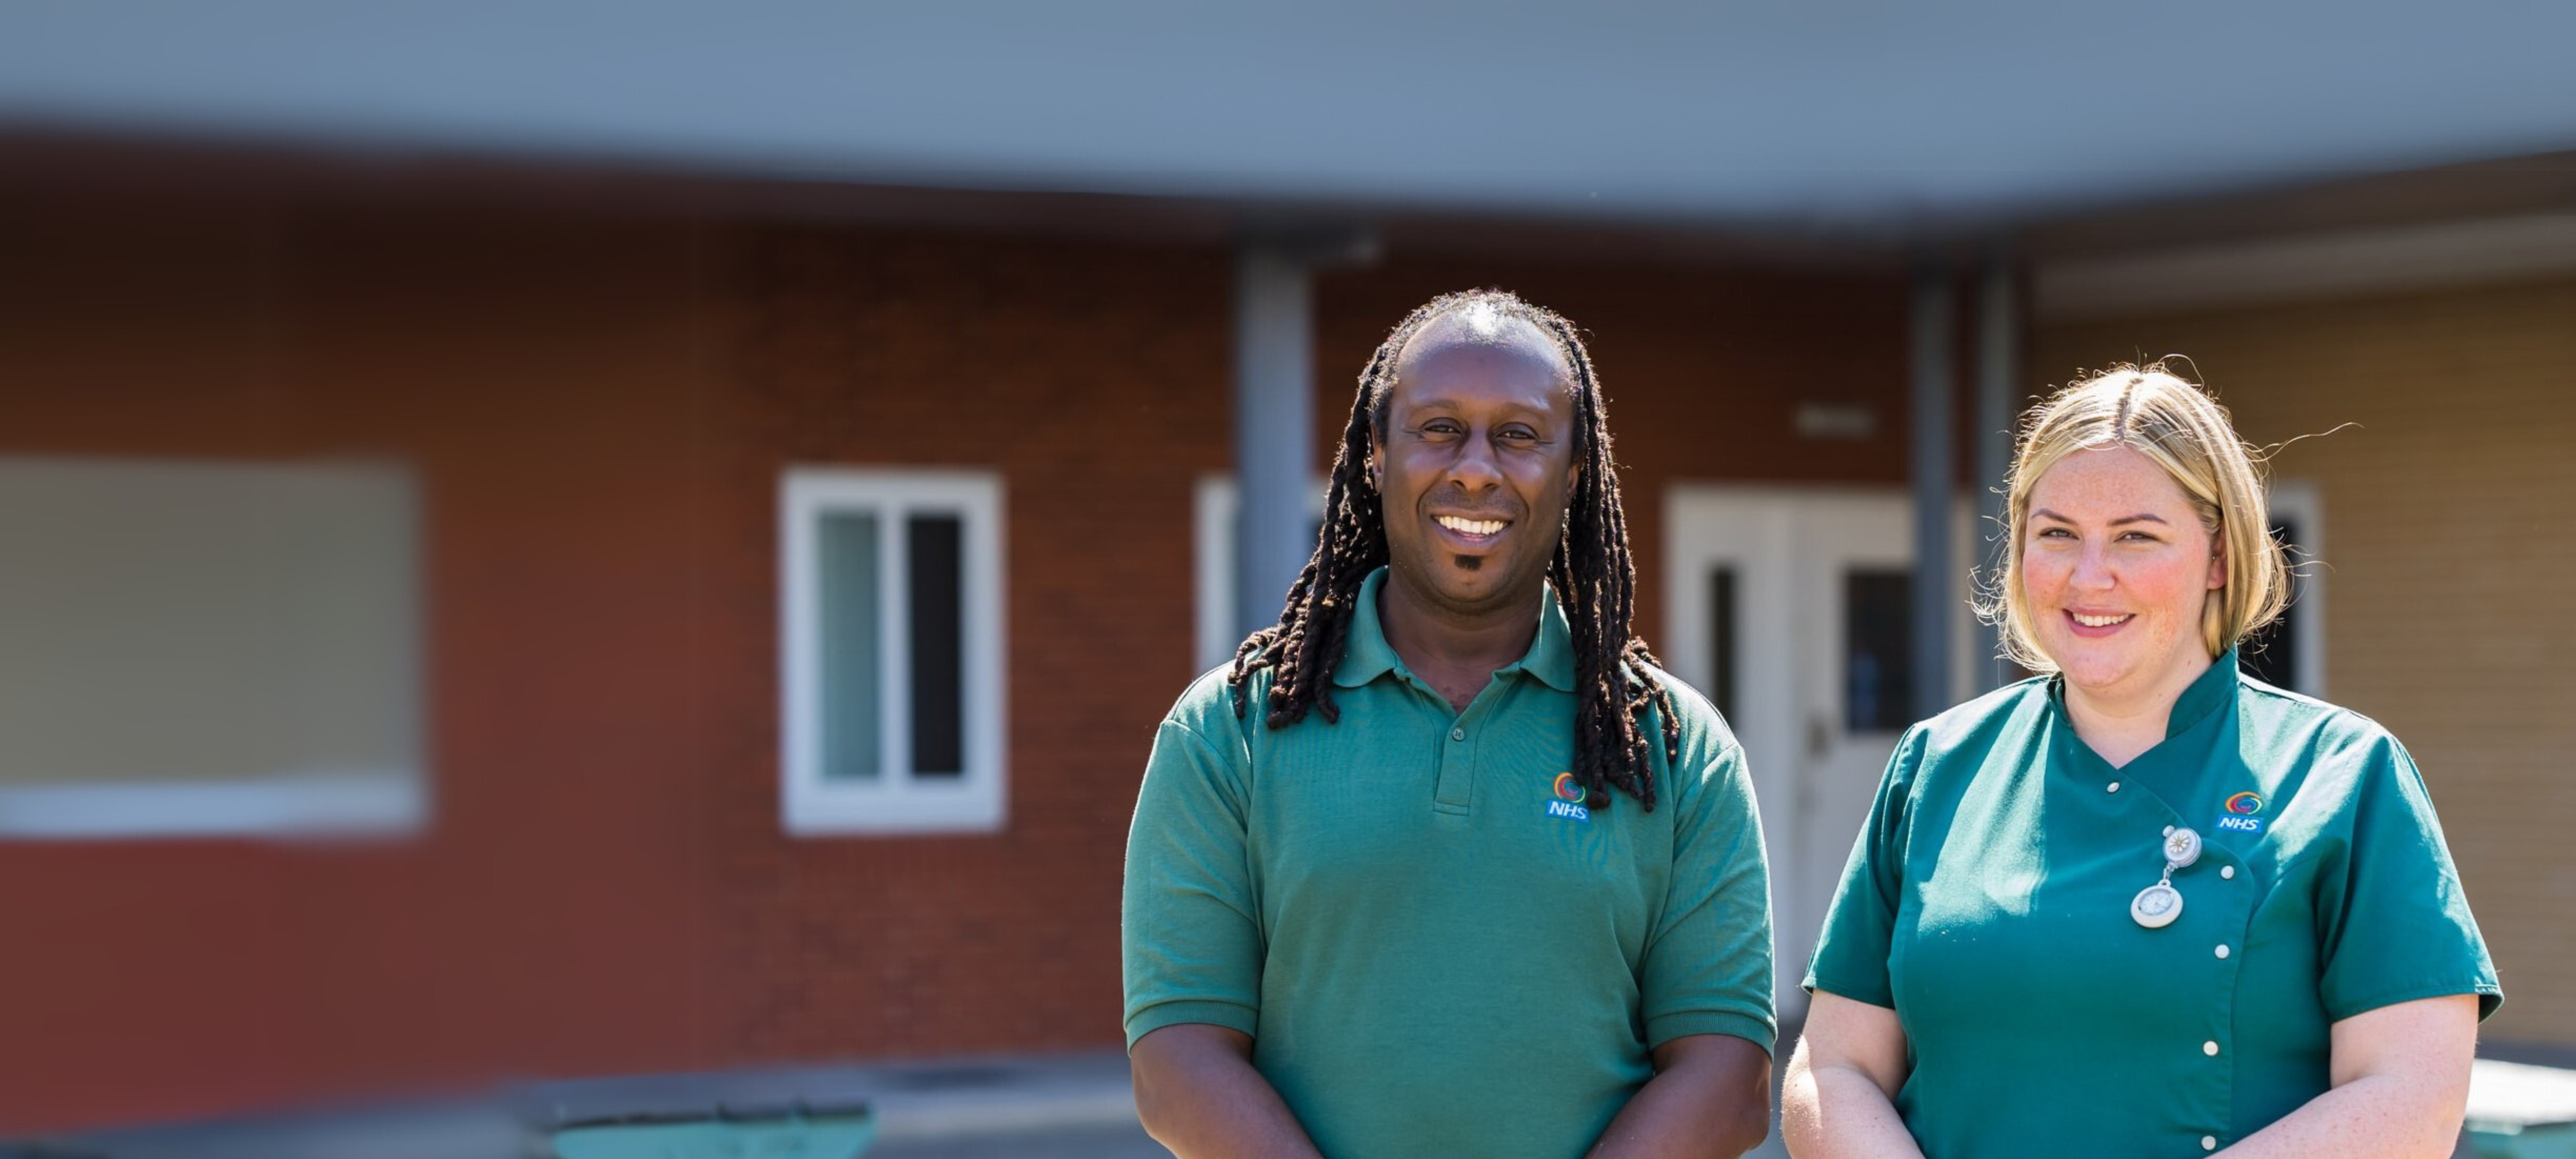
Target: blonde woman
{"points": [[2141, 905]]}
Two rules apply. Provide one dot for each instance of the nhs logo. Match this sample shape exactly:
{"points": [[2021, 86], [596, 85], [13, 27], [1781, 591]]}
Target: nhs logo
{"points": [[1565, 799], [2240, 815]]}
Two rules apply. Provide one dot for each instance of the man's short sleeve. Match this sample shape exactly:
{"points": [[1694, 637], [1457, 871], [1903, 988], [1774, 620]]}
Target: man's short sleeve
{"points": [[1708, 964], [2395, 925], [1190, 931], [1852, 950]]}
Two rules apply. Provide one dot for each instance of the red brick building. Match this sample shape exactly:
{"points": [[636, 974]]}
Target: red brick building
{"points": [[597, 412], [615, 455]]}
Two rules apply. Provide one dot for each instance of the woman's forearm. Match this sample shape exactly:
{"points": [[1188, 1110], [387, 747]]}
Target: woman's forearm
{"points": [[2374, 1117], [2401, 1084], [1836, 1112]]}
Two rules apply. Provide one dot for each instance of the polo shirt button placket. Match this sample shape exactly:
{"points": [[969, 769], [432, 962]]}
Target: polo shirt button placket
{"points": [[1455, 791]]}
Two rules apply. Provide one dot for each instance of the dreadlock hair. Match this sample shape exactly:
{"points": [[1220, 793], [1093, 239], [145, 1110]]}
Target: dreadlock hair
{"points": [[1595, 580]]}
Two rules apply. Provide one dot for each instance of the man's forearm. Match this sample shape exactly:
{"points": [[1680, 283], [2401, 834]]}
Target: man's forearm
{"points": [[1198, 1095], [1710, 1099]]}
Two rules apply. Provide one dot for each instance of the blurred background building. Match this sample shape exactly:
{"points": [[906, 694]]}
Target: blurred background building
{"points": [[565, 539]]}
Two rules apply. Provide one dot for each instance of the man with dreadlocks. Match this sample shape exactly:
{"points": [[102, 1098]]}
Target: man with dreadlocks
{"points": [[1381, 899]]}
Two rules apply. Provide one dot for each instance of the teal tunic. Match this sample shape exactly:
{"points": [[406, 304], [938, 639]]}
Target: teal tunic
{"points": [[1987, 903], [1436, 948]]}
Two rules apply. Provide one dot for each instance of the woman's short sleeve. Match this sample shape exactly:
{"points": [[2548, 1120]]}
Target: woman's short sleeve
{"points": [[2394, 924], [1852, 951]]}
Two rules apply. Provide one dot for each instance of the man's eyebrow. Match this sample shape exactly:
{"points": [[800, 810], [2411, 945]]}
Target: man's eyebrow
{"points": [[1437, 401], [2141, 517]]}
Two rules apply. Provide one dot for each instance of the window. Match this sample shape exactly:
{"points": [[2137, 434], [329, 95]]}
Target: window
{"points": [[2290, 651], [201, 649], [890, 638], [1216, 514], [1722, 639], [1878, 650]]}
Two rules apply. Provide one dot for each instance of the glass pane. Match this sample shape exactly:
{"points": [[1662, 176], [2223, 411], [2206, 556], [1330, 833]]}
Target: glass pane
{"points": [[938, 645], [852, 701], [1878, 651], [2272, 655], [1721, 640], [263, 620]]}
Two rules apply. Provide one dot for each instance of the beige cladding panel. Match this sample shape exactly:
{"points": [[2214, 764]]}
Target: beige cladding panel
{"points": [[2450, 528]]}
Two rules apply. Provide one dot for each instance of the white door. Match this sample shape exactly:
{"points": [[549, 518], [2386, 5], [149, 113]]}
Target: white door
{"points": [[1792, 609]]}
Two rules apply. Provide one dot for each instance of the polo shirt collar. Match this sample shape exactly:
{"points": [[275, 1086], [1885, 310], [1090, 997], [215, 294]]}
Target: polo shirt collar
{"points": [[1366, 655]]}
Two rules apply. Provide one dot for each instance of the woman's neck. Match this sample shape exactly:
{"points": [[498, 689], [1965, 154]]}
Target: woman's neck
{"points": [[2121, 724]]}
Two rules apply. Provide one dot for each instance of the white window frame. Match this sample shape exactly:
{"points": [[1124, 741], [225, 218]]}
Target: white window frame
{"points": [[897, 801], [2300, 501], [1216, 515], [364, 803]]}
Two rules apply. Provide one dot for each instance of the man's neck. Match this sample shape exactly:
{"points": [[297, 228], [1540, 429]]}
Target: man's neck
{"points": [[1457, 652]]}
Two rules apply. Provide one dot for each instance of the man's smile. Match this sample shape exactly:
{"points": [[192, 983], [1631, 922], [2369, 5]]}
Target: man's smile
{"points": [[1473, 531]]}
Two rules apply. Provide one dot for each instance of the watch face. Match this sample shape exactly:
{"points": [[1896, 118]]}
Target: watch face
{"points": [[2156, 906]]}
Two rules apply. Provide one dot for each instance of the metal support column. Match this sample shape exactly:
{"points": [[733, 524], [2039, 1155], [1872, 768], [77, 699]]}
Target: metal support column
{"points": [[1932, 425], [1998, 371], [1274, 426]]}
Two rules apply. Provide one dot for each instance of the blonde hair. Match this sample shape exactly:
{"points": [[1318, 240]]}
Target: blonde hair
{"points": [[2177, 427]]}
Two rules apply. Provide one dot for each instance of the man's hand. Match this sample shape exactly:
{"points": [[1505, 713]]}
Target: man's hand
{"points": [[1710, 1099], [1197, 1094]]}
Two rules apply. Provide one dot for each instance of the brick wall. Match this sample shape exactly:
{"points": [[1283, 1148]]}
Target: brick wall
{"points": [[1095, 377], [542, 376], [2450, 534], [599, 406]]}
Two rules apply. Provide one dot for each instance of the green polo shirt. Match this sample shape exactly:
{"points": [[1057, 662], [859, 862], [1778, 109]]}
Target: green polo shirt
{"points": [[1987, 903], [1434, 951]]}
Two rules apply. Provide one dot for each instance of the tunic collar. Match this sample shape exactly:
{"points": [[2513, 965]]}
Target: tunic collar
{"points": [[2202, 696], [1366, 655], [2206, 694]]}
